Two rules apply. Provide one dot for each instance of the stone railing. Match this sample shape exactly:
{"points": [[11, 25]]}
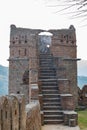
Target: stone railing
{"points": [[12, 112], [33, 120], [14, 115]]}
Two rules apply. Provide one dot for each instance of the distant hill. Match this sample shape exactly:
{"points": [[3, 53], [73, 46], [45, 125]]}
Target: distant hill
{"points": [[3, 80], [82, 80], [82, 73]]}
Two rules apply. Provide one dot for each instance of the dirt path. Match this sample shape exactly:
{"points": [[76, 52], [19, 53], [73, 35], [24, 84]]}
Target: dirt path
{"points": [[59, 127]]}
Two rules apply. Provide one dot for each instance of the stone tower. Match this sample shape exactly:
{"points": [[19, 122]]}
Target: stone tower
{"points": [[25, 45]]}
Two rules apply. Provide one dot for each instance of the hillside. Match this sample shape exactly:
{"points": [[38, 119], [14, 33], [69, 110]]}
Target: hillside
{"points": [[3, 80], [82, 73], [82, 80]]}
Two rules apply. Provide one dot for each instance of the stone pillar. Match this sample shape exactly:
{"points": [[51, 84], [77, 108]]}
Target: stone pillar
{"points": [[67, 102], [33, 87], [6, 118], [41, 101], [41, 108], [33, 68], [22, 112], [34, 92], [70, 118], [39, 87], [42, 118], [14, 112], [33, 118]]}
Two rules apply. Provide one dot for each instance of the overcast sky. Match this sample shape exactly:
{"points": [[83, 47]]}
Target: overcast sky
{"points": [[36, 14]]}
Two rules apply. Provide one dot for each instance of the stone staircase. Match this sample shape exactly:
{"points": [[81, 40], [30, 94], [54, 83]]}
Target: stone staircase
{"points": [[51, 99]]}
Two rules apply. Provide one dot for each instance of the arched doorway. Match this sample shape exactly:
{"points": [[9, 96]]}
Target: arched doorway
{"points": [[44, 42]]}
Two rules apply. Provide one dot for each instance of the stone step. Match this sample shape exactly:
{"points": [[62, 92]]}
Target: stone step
{"points": [[51, 104], [53, 121], [52, 107], [51, 99], [47, 70], [51, 96], [45, 54], [47, 66], [49, 83], [43, 59], [51, 117], [47, 74], [47, 77], [49, 80], [53, 112], [46, 62], [49, 87], [49, 91]]}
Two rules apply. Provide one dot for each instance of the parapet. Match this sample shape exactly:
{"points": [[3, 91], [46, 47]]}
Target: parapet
{"points": [[13, 112]]}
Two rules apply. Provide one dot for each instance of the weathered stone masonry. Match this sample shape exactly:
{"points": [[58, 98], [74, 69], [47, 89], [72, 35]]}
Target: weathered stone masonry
{"points": [[28, 49], [14, 115], [24, 57]]}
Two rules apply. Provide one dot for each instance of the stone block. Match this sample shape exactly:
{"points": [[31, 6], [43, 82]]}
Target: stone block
{"points": [[67, 102], [34, 92], [64, 86], [33, 117], [42, 118], [70, 118], [72, 122], [41, 101], [6, 111]]}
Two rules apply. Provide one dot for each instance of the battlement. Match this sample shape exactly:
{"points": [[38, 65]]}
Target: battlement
{"points": [[26, 36]]}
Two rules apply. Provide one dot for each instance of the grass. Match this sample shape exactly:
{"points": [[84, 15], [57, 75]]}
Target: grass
{"points": [[82, 119]]}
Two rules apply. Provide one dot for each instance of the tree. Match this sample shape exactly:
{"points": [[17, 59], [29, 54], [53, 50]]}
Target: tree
{"points": [[80, 8], [73, 8]]}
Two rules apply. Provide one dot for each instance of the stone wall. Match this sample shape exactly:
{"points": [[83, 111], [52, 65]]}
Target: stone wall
{"points": [[67, 75], [24, 58], [33, 120], [67, 102], [16, 81]]}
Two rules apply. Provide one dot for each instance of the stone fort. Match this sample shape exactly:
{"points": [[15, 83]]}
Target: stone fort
{"points": [[43, 67]]}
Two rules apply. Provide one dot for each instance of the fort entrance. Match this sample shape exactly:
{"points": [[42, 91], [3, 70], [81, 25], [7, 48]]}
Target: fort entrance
{"points": [[43, 67], [44, 42]]}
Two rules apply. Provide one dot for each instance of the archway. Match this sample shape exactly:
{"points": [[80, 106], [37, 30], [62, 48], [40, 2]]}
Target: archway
{"points": [[44, 41]]}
